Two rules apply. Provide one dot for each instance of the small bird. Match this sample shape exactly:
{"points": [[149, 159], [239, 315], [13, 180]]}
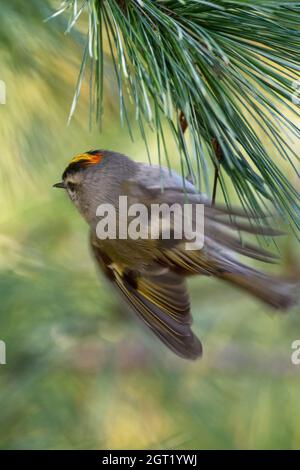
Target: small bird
{"points": [[150, 274]]}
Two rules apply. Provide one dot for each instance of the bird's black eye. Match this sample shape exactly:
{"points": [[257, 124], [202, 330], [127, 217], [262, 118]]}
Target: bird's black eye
{"points": [[71, 186]]}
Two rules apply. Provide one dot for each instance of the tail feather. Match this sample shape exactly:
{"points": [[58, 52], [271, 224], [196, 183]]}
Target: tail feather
{"points": [[278, 292]]}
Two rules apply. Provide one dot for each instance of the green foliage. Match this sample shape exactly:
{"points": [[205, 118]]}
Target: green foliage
{"points": [[228, 66]]}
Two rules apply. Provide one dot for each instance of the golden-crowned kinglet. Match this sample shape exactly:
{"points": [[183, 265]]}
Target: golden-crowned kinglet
{"points": [[150, 272]]}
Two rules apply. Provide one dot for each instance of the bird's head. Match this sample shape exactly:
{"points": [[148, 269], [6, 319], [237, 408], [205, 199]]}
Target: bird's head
{"points": [[94, 177], [75, 174]]}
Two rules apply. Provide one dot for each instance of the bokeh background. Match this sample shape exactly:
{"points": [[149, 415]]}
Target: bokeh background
{"points": [[80, 372]]}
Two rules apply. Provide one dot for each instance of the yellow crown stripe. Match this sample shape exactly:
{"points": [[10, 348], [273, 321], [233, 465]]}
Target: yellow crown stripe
{"points": [[80, 157], [86, 157]]}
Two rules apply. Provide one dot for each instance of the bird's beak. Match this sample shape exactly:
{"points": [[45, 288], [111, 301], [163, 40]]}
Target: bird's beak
{"points": [[60, 185]]}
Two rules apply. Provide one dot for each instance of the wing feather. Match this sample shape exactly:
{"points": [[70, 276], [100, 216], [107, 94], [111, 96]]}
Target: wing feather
{"points": [[160, 300]]}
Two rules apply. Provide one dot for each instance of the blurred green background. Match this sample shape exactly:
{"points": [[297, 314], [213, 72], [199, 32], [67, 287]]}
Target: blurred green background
{"points": [[80, 372]]}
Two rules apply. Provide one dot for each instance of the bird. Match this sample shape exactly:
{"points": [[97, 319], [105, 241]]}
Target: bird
{"points": [[151, 274]]}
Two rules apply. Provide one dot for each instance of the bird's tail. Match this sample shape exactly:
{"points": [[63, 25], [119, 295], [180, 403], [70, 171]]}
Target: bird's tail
{"points": [[278, 292]]}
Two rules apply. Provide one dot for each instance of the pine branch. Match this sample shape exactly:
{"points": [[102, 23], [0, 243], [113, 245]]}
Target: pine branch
{"points": [[226, 67]]}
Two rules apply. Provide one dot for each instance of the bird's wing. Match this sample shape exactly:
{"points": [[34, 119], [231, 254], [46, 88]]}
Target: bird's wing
{"points": [[223, 227], [160, 300]]}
